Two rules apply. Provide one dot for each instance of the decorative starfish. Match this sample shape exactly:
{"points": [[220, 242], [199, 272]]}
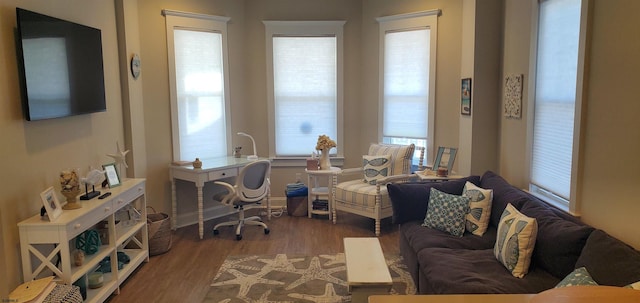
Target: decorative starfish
{"points": [[337, 259], [314, 271], [245, 282], [329, 296], [120, 156]]}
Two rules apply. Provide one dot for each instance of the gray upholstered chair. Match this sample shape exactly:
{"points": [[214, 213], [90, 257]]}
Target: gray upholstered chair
{"points": [[251, 187], [369, 198]]}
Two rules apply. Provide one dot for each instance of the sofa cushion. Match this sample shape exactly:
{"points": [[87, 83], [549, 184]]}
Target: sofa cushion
{"points": [[479, 208], [463, 271], [410, 200], [447, 212], [515, 241], [420, 237], [609, 260], [376, 167], [503, 194], [559, 260], [401, 156], [580, 276]]}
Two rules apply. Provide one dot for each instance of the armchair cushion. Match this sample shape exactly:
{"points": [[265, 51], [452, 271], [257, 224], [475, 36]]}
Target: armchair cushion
{"points": [[376, 167], [360, 195], [401, 156]]}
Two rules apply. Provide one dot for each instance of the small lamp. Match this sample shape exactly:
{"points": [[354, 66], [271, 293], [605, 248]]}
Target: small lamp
{"points": [[255, 155]]}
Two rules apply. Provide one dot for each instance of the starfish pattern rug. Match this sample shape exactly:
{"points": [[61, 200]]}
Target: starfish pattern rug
{"points": [[287, 278]]}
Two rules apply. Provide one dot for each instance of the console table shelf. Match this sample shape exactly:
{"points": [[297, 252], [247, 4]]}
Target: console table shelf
{"points": [[46, 247]]}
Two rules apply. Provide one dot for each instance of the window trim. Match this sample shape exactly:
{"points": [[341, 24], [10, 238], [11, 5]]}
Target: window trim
{"points": [[304, 28], [199, 22], [401, 22], [571, 206]]}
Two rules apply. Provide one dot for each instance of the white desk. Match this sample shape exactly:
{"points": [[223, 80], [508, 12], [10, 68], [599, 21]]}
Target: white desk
{"points": [[212, 169]]}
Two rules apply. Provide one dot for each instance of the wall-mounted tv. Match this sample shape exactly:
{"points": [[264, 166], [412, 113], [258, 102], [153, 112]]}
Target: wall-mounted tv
{"points": [[60, 66]]}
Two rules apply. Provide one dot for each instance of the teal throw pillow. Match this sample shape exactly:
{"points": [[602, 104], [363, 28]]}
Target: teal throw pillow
{"points": [[580, 276], [446, 212]]}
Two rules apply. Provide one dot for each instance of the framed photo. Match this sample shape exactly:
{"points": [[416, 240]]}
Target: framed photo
{"points": [[112, 174], [51, 203], [445, 158], [465, 97]]}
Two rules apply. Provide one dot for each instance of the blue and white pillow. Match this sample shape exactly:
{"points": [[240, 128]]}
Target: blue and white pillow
{"points": [[580, 276], [515, 241], [376, 167], [479, 208], [446, 212]]}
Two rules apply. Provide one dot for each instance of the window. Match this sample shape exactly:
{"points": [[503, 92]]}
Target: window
{"points": [[407, 79], [558, 85], [304, 74], [198, 75]]}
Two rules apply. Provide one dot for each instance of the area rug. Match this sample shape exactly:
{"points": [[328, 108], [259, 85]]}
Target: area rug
{"points": [[288, 278]]}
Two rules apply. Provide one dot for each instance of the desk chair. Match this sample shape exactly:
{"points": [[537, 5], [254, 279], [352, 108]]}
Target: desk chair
{"points": [[251, 187]]}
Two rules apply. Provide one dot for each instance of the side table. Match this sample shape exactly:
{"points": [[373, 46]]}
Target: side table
{"points": [[425, 176], [315, 182]]}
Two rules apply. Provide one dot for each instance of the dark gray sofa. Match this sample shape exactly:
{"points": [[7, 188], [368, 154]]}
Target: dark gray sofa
{"points": [[441, 263]]}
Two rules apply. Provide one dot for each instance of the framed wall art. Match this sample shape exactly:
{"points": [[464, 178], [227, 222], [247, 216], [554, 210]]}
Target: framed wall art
{"points": [[445, 158], [112, 174], [513, 96], [51, 203], [465, 97]]}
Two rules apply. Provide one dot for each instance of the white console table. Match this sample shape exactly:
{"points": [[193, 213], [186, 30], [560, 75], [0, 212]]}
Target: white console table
{"points": [[47, 242]]}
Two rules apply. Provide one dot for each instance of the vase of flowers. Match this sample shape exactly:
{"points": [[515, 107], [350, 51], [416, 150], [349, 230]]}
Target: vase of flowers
{"points": [[70, 185], [324, 145]]}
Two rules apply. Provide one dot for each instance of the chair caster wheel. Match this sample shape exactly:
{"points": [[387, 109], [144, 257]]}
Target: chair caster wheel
{"points": [[266, 231], [238, 237], [216, 232]]}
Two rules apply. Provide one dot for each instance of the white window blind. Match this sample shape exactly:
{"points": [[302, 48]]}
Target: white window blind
{"points": [[555, 96], [198, 85], [406, 84], [200, 94], [305, 92]]}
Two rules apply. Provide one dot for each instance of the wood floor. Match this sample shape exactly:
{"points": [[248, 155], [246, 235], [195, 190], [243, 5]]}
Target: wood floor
{"points": [[184, 273]]}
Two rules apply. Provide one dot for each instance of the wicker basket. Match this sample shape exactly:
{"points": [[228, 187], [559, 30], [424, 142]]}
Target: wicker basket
{"points": [[159, 227]]}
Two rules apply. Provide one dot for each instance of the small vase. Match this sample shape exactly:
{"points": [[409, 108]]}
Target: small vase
{"points": [[325, 163], [71, 196], [197, 163]]}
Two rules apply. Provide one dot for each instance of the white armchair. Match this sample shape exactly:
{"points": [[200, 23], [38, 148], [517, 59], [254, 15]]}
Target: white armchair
{"points": [[370, 198]]}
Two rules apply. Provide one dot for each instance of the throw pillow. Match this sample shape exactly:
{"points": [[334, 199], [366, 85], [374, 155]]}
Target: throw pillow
{"points": [[479, 208], [376, 167], [515, 241], [580, 276], [446, 212], [635, 286]]}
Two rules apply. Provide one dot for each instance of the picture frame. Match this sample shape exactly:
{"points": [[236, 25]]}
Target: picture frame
{"points": [[51, 203], [465, 97], [112, 175], [445, 155]]}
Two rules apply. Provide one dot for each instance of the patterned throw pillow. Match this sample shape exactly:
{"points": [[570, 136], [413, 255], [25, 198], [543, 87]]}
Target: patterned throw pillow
{"points": [[479, 208], [515, 241], [376, 167], [446, 212], [580, 276]]}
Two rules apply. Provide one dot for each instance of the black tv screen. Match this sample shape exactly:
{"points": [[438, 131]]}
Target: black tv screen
{"points": [[60, 65]]}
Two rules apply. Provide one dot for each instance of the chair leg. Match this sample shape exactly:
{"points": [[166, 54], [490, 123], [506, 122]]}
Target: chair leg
{"points": [[241, 222]]}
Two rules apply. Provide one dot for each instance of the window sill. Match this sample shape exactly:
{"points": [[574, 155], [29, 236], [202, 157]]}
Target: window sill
{"points": [[552, 200]]}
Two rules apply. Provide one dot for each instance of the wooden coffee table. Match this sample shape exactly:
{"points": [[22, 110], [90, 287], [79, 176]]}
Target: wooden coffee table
{"points": [[367, 271]]}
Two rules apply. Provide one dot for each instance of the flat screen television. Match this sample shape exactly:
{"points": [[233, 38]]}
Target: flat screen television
{"points": [[60, 66]]}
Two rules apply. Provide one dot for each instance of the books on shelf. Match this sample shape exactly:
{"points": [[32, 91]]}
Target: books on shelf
{"points": [[33, 291], [320, 204]]}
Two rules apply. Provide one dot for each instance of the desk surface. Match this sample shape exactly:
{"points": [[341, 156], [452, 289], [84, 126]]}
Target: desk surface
{"points": [[211, 164]]}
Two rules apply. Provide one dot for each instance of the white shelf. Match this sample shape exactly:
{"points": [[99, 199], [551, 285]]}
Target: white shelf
{"points": [[36, 236]]}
